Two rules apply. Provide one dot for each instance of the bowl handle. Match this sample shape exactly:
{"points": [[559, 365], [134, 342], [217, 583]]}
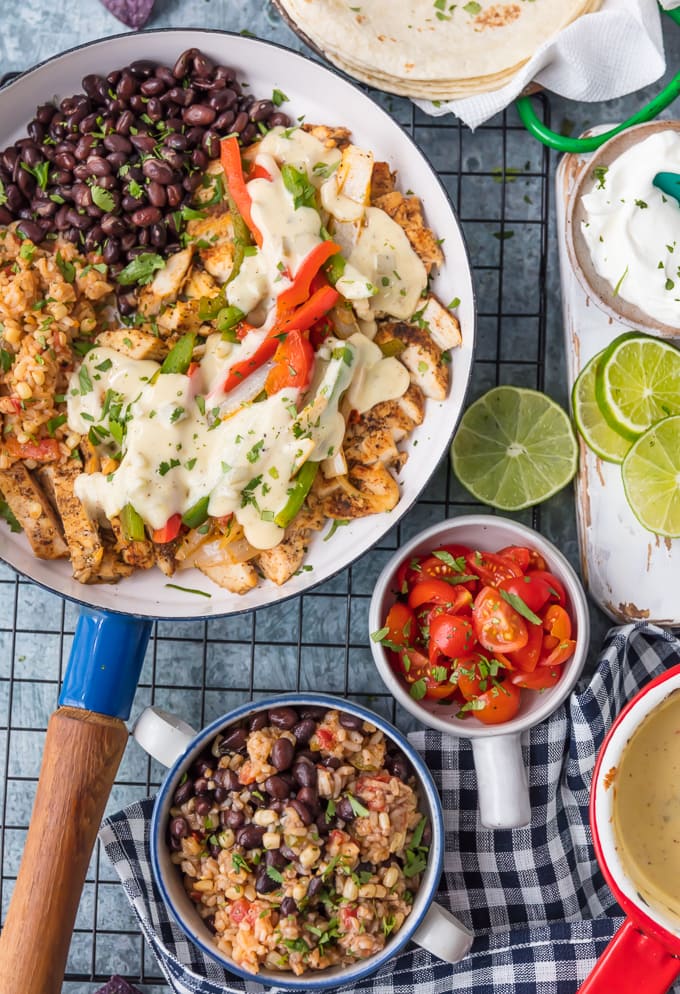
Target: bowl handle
{"points": [[443, 935], [632, 962], [162, 735], [501, 781]]}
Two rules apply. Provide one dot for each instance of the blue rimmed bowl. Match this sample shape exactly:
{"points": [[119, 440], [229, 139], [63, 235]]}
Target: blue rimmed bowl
{"points": [[174, 743]]}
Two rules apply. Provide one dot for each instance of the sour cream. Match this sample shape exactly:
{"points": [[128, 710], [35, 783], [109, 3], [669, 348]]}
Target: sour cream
{"points": [[633, 229]]}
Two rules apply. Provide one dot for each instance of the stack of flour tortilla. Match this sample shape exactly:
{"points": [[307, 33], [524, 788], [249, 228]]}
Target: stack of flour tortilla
{"points": [[432, 49]]}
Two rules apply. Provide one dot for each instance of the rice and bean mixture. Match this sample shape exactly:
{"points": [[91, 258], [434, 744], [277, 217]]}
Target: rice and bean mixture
{"points": [[300, 840]]}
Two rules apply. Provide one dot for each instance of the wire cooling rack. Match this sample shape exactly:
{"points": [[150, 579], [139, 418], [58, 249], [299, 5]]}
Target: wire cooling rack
{"points": [[499, 182]]}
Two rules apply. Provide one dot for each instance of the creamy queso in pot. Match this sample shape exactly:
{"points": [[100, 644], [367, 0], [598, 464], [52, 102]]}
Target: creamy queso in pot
{"points": [[646, 807]]}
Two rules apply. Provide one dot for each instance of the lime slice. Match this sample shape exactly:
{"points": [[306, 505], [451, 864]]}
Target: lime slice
{"points": [[651, 478], [638, 383], [596, 433], [514, 448]]}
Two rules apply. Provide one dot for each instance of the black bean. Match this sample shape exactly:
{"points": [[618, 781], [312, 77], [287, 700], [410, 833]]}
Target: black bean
{"points": [[312, 711], [43, 209], [174, 124], [398, 766], [165, 74], [279, 119], [316, 884], [179, 828], [154, 109], [174, 159], [142, 68], [305, 774], [127, 303], [309, 797], [224, 121], [283, 717], [45, 112], [159, 171], [344, 810], [183, 64], [304, 730], [183, 793], [202, 784], [226, 73], [158, 235], [221, 794], [127, 86], [302, 810], [61, 177], [204, 804], [427, 834], [112, 225], [277, 787], [264, 884], [76, 220], [177, 143], [31, 156], [351, 721], [117, 143], [89, 123], [233, 818], [5, 216], [250, 836], [81, 172], [127, 241], [194, 136], [143, 143], [282, 753], [288, 906], [111, 251], [93, 238], [98, 165], [129, 204], [234, 741], [124, 123], [240, 122], [152, 87], [73, 235], [175, 844], [199, 159], [275, 858], [117, 160], [248, 133], [65, 160], [261, 110], [199, 114], [146, 216], [324, 823], [26, 183], [36, 131], [156, 194], [60, 220], [211, 144]]}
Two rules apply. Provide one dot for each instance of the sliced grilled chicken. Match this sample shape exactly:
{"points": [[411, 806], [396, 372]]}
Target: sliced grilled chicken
{"points": [[421, 356], [137, 553], [331, 137], [239, 578], [408, 213], [365, 490], [110, 570], [30, 506], [383, 181], [280, 563], [134, 343], [200, 284], [165, 557], [82, 534], [441, 323], [214, 237], [166, 284]]}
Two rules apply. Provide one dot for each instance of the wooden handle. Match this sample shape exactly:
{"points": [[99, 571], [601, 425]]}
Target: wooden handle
{"points": [[82, 753]]}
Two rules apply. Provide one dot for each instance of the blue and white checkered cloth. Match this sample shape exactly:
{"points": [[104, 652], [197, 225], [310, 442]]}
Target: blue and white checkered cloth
{"points": [[534, 896]]}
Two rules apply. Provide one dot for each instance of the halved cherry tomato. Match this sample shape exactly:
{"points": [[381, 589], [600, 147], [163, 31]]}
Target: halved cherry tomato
{"points": [[556, 592], [531, 589], [414, 664], [555, 655], [450, 635], [499, 703], [518, 553], [469, 677], [526, 659], [401, 625], [169, 531], [438, 691], [431, 591], [497, 624], [541, 678], [557, 622], [492, 568], [415, 667], [536, 560], [446, 567], [408, 573]]}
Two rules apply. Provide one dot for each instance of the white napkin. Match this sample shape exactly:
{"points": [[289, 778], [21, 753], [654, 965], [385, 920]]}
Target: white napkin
{"points": [[598, 57]]}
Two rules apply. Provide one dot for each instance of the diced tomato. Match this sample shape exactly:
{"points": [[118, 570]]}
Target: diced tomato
{"points": [[431, 591], [556, 592], [491, 568], [325, 737], [533, 590], [239, 910], [557, 622], [293, 364], [347, 913], [526, 658], [169, 531], [499, 704], [497, 624], [518, 553], [401, 625], [542, 678], [44, 450], [450, 635]]}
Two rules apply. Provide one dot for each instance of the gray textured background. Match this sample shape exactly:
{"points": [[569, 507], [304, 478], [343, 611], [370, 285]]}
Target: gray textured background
{"points": [[36, 627]]}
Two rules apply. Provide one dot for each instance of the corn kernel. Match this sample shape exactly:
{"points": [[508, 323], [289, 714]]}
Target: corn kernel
{"points": [[350, 891], [263, 817], [24, 391], [271, 840], [309, 856], [390, 876]]}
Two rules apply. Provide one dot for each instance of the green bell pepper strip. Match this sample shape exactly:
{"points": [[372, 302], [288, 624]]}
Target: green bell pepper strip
{"points": [[132, 525], [198, 514], [178, 358], [302, 484]]}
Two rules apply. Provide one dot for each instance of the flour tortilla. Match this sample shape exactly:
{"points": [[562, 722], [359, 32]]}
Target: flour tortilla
{"points": [[408, 45]]}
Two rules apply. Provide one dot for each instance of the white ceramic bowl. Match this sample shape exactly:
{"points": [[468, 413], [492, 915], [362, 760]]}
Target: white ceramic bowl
{"points": [[502, 782]]}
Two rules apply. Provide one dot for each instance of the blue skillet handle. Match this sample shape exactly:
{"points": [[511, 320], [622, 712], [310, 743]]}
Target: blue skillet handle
{"points": [[105, 662]]}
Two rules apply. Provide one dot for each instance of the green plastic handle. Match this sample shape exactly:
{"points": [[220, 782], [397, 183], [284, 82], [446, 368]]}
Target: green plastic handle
{"points": [[562, 143]]}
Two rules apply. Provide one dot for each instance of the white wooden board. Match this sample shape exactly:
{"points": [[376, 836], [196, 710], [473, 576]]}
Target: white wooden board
{"points": [[630, 572]]}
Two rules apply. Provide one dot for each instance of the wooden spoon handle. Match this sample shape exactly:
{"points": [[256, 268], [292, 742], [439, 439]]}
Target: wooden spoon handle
{"points": [[82, 752]]}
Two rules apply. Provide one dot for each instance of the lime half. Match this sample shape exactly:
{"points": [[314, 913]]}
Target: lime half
{"points": [[638, 383], [651, 478], [514, 448], [596, 433]]}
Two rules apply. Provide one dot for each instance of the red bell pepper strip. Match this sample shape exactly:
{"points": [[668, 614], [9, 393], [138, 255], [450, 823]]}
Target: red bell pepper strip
{"points": [[301, 319], [300, 289], [230, 156], [293, 364], [259, 172], [169, 531]]}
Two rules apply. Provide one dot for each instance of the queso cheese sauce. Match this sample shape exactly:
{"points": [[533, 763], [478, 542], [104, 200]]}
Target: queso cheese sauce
{"points": [[646, 807], [183, 437]]}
